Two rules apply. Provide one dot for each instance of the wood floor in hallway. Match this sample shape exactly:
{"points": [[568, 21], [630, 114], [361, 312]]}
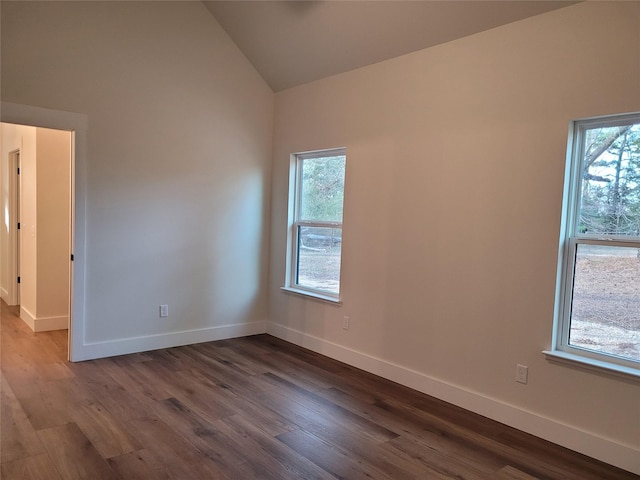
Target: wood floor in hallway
{"points": [[242, 409]]}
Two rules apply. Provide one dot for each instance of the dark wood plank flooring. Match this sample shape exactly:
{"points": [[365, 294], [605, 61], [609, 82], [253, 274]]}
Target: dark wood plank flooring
{"points": [[248, 408]]}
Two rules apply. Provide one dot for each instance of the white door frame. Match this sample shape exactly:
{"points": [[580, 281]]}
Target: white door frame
{"points": [[77, 124], [13, 288]]}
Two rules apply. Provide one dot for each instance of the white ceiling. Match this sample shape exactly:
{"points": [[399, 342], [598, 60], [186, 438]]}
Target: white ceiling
{"points": [[295, 42]]}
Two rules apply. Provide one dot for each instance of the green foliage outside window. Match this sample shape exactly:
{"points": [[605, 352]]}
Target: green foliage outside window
{"points": [[610, 199], [323, 189]]}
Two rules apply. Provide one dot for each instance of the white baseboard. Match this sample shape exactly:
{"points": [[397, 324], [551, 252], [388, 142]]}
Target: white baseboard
{"points": [[123, 346], [46, 324], [606, 450], [26, 317], [4, 295], [43, 324]]}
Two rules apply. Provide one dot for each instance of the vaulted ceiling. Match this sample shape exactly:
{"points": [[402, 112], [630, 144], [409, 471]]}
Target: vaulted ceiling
{"points": [[295, 42]]}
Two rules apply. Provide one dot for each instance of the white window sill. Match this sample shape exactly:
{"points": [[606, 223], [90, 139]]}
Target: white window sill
{"points": [[591, 364], [312, 295]]}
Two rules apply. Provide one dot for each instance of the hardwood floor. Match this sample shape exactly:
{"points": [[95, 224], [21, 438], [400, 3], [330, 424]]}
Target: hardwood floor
{"points": [[249, 408]]}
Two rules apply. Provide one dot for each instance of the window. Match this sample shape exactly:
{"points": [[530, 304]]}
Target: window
{"points": [[315, 236], [598, 299]]}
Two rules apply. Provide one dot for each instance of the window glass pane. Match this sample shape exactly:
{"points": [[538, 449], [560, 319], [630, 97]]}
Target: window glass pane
{"points": [[319, 258], [322, 189], [610, 190], [605, 312]]}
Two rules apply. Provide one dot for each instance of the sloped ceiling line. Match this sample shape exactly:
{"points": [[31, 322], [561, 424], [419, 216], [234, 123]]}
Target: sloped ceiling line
{"points": [[295, 42]]}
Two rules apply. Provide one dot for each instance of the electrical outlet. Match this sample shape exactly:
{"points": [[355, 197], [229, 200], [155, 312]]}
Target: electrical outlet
{"points": [[345, 323], [522, 373], [164, 310]]}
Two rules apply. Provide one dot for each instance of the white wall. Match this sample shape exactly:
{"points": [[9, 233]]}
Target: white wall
{"points": [[53, 163], [28, 226], [455, 163], [178, 160]]}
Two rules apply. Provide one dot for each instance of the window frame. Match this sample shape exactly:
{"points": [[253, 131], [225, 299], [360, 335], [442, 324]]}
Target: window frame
{"points": [[570, 239], [296, 224]]}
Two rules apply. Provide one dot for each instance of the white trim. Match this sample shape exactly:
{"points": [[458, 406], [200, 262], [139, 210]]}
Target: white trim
{"points": [[47, 324], [561, 349], [593, 364], [4, 294], [14, 202], [43, 324], [324, 153], [295, 222], [123, 346], [313, 294], [78, 124], [28, 318], [607, 450]]}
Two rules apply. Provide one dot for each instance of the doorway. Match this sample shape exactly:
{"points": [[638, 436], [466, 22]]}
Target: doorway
{"points": [[77, 124], [38, 220], [14, 227]]}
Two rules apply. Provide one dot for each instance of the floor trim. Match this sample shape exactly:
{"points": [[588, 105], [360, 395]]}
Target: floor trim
{"points": [[123, 346], [43, 324], [603, 449], [26, 317]]}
